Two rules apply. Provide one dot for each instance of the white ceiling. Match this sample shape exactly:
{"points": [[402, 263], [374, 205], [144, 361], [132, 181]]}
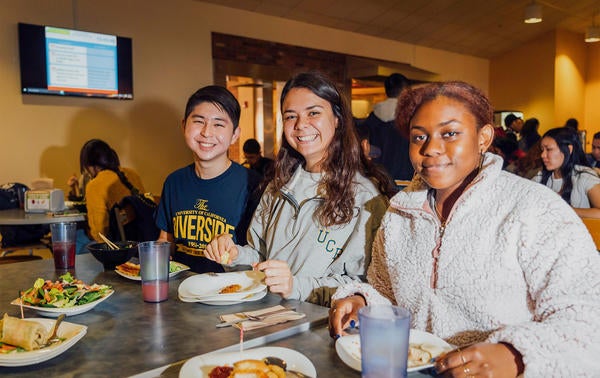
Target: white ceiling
{"points": [[482, 28]]}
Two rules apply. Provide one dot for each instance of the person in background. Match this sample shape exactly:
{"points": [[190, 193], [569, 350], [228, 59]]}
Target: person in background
{"points": [[572, 123], [254, 159], [315, 223], [77, 184], [507, 149], [566, 171], [213, 195], [594, 158], [384, 134], [513, 125], [529, 134], [529, 165], [108, 185], [492, 263]]}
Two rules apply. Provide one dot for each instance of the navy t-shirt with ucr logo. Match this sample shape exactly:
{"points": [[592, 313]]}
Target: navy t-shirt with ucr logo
{"points": [[194, 211]]}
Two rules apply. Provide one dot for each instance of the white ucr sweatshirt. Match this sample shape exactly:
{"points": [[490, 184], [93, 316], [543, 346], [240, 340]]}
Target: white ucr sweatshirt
{"points": [[516, 264]]}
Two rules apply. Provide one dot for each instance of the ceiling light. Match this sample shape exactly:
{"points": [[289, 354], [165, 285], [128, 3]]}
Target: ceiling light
{"points": [[533, 13], [592, 34]]}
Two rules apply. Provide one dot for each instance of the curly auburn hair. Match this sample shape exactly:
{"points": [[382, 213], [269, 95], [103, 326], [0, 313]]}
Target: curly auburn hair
{"points": [[343, 160], [411, 100]]}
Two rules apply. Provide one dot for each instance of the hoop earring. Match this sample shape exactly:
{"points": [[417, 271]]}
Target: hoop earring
{"points": [[481, 153]]}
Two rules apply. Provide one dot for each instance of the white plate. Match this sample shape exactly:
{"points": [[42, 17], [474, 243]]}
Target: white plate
{"points": [[72, 332], [225, 302], [53, 312], [172, 274], [348, 348], [207, 286], [200, 366]]}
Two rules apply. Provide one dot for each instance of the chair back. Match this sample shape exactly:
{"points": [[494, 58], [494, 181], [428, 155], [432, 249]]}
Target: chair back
{"points": [[132, 219], [593, 226]]}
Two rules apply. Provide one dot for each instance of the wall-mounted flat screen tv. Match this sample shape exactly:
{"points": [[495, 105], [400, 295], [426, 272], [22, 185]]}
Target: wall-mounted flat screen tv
{"points": [[68, 62]]}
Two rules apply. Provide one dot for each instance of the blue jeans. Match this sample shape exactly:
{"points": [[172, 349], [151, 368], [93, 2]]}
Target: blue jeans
{"points": [[82, 241]]}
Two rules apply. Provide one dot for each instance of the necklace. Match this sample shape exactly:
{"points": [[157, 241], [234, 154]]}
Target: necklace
{"points": [[434, 206]]}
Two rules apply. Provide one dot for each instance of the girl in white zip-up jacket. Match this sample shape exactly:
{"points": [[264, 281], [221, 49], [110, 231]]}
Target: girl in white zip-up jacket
{"points": [[491, 262], [315, 224]]}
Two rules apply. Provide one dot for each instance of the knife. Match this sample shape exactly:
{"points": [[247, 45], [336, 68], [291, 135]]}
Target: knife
{"points": [[253, 317]]}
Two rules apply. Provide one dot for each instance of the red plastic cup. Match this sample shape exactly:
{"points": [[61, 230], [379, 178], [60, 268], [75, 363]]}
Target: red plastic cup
{"points": [[63, 244]]}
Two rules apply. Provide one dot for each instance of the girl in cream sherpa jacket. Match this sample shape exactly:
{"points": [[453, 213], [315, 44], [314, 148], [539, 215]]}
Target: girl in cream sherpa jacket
{"points": [[515, 264]]}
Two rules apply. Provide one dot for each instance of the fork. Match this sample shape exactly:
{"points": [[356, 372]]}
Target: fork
{"points": [[254, 317]]}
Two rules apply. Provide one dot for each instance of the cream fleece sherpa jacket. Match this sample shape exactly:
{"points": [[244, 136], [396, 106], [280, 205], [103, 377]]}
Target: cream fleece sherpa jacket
{"points": [[516, 264]]}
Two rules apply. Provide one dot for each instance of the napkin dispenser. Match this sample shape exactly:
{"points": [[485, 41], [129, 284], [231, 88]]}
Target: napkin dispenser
{"points": [[41, 201]]}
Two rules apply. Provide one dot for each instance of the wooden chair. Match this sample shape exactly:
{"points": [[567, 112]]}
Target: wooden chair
{"points": [[124, 215], [593, 226]]}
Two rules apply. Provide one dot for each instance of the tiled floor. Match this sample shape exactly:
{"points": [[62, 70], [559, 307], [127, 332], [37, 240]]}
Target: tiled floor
{"points": [[44, 252]]}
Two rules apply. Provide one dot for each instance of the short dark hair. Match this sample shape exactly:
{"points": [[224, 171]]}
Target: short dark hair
{"points": [[509, 119], [572, 123], [597, 135], [394, 84], [251, 146], [218, 96]]}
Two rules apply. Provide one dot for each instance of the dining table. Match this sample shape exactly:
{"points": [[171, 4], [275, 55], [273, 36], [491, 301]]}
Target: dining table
{"points": [[129, 337], [19, 217]]}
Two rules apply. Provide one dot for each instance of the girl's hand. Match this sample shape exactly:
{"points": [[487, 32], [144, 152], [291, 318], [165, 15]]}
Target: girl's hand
{"points": [[279, 278], [481, 360], [342, 312], [221, 249]]}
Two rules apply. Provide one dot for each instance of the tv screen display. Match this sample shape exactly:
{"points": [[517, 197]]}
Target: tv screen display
{"points": [[68, 62]]}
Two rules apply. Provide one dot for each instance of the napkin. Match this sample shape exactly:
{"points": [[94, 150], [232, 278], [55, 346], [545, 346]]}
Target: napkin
{"points": [[278, 318]]}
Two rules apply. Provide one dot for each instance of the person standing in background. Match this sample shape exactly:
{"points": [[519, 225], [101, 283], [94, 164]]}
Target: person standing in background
{"points": [[213, 195], [529, 134], [254, 159], [384, 134]]}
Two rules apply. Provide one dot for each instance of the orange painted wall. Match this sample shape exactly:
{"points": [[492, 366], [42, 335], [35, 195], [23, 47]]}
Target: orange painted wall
{"points": [[592, 93], [523, 79], [570, 78]]}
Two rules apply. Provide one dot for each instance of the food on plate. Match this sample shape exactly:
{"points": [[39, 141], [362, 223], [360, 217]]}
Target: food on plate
{"points": [[225, 258], [18, 333], [234, 288], [66, 292], [421, 354], [129, 269], [133, 269], [248, 369]]}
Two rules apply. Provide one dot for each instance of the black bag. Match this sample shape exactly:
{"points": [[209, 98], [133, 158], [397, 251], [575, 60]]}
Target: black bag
{"points": [[10, 196]]}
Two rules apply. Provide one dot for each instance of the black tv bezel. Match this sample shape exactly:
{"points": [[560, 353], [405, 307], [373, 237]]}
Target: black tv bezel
{"points": [[32, 64]]}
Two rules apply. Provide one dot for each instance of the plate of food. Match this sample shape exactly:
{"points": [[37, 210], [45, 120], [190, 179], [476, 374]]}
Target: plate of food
{"points": [[219, 301], [68, 295], [131, 270], [23, 340], [231, 286], [249, 361], [423, 346]]}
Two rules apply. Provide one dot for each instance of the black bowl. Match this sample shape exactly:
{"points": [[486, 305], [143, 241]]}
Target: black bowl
{"points": [[110, 258]]}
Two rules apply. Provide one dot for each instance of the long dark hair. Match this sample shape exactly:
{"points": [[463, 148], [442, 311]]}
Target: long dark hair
{"points": [[97, 153], [343, 160], [565, 137]]}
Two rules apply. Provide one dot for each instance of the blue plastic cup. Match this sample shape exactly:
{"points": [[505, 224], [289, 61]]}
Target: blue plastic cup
{"points": [[384, 332]]}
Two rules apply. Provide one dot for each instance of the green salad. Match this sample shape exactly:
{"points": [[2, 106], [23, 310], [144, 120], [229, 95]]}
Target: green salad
{"points": [[66, 292]]}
